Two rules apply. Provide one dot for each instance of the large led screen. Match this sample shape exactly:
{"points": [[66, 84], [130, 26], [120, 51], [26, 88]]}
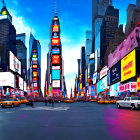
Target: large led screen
{"points": [[130, 43], [55, 28], [55, 51], [55, 74], [102, 85], [128, 66], [115, 73], [15, 64], [55, 59], [7, 79], [55, 41], [56, 83], [114, 89], [21, 83], [34, 73]]}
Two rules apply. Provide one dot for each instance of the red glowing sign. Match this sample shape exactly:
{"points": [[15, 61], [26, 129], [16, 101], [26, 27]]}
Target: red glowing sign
{"points": [[56, 59], [34, 79], [55, 28], [35, 88], [55, 41]]}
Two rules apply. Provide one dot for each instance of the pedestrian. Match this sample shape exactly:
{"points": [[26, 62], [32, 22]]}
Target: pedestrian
{"points": [[52, 100], [46, 101]]}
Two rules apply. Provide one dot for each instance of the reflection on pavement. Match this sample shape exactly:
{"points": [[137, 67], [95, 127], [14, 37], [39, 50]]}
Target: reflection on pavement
{"points": [[123, 124]]}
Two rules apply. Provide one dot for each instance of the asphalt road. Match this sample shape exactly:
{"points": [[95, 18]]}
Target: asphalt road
{"points": [[77, 121]]}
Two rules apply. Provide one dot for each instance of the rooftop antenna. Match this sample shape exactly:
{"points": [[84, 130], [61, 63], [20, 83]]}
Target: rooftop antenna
{"points": [[3, 3], [55, 9]]}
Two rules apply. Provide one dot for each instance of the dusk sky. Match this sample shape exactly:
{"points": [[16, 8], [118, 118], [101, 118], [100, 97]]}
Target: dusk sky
{"points": [[75, 18]]}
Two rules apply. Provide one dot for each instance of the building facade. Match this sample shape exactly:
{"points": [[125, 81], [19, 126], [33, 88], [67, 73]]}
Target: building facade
{"points": [[22, 54], [35, 67], [107, 31], [98, 11]]}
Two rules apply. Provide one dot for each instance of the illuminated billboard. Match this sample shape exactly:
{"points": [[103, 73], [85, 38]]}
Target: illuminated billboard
{"points": [[130, 43], [21, 82], [55, 51], [55, 41], [34, 73], [7, 79], [34, 59], [55, 28], [103, 72], [102, 85], [56, 83], [114, 89], [55, 67], [55, 74], [114, 74], [55, 59], [34, 66], [128, 66], [34, 62], [15, 64], [25, 87], [34, 55], [34, 79]]}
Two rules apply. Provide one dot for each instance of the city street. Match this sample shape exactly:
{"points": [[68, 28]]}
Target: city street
{"points": [[77, 121]]}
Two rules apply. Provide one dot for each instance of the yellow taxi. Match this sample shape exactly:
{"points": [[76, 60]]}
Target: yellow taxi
{"points": [[93, 100], [104, 102], [113, 101], [10, 102], [24, 101], [68, 101], [100, 102]]}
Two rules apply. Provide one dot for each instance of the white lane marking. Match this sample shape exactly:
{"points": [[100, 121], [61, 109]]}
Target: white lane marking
{"points": [[47, 108]]}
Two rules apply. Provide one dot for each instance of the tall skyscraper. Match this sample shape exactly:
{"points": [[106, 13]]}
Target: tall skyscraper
{"points": [[35, 66], [107, 31], [98, 12], [78, 79], [22, 54], [133, 17], [56, 63], [83, 65], [88, 46], [7, 38]]}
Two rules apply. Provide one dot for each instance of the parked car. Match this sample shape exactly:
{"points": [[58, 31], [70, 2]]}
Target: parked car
{"points": [[10, 102], [104, 101], [130, 102]]}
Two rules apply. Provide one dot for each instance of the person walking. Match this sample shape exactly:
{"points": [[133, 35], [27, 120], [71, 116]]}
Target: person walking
{"points": [[46, 100]]}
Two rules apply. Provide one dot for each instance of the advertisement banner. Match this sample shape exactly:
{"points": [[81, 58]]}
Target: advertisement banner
{"points": [[25, 86], [103, 72], [92, 56], [15, 64], [34, 73], [102, 85], [114, 89], [114, 74], [96, 60], [56, 83], [55, 28], [55, 67], [130, 43], [55, 41], [138, 83], [128, 66], [132, 87], [7, 79], [21, 83], [94, 78], [55, 74], [55, 59], [55, 51]]}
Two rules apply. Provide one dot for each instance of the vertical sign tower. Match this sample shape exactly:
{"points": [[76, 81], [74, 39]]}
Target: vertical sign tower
{"points": [[56, 58]]}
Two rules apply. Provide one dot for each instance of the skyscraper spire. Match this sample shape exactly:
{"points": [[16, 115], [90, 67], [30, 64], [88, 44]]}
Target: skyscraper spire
{"points": [[3, 3], [55, 9]]}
